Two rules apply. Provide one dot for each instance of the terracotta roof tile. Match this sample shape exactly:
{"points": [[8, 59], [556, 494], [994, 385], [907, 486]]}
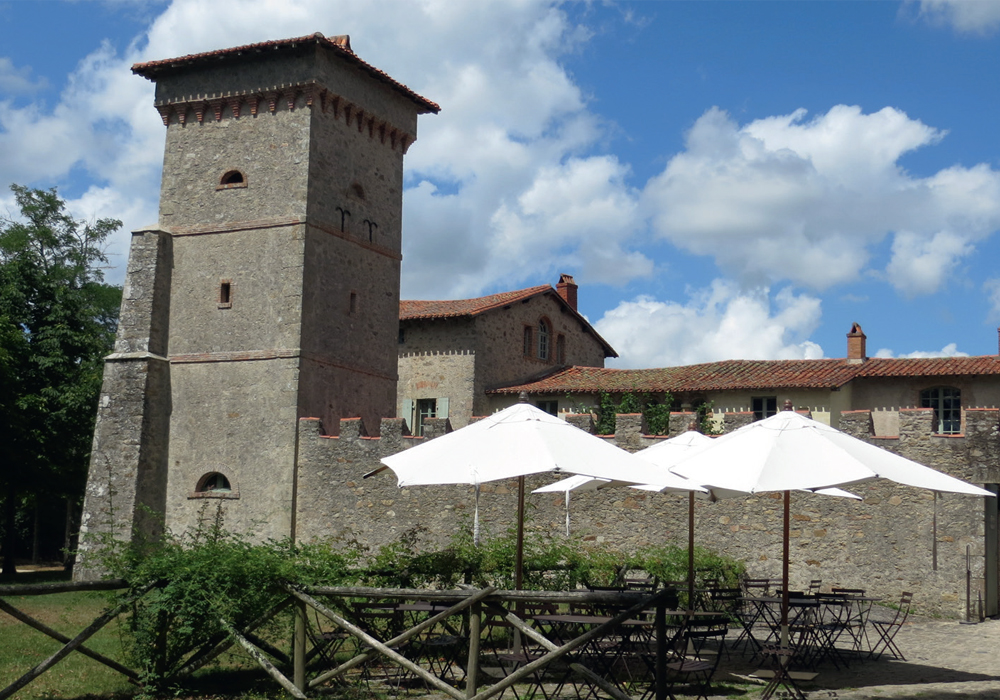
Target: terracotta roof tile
{"points": [[712, 376], [735, 375], [930, 366], [409, 309], [151, 68]]}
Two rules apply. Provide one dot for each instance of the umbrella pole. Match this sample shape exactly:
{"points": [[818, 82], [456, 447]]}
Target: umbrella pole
{"points": [[567, 513], [690, 550], [475, 521], [519, 555], [784, 573]]}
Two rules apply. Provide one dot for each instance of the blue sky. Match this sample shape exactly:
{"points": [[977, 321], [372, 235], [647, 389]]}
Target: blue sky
{"points": [[723, 179]]}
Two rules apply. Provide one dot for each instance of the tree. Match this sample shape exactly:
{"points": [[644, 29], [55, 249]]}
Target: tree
{"points": [[58, 319]]}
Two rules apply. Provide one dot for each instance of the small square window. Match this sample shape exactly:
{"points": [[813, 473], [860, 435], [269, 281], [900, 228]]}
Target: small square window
{"points": [[764, 406]]}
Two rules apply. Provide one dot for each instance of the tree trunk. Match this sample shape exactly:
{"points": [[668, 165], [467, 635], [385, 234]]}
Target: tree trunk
{"points": [[9, 537]]}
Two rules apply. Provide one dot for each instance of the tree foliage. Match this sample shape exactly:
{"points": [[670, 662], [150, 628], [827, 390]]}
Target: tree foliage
{"points": [[57, 321]]}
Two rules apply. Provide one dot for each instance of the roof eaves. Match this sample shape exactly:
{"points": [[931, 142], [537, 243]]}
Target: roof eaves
{"points": [[149, 69]]}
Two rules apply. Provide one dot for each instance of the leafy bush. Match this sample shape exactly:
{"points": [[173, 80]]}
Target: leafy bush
{"points": [[212, 575], [656, 412]]}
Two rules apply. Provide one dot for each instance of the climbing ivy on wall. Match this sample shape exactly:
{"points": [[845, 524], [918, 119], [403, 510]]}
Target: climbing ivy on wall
{"points": [[656, 412]]}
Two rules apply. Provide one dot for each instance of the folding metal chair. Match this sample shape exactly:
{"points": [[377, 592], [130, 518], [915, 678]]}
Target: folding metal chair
{"points": [[887, 629], [694, 658]]}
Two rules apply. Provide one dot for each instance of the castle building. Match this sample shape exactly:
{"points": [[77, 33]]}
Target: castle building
{"points": [[267, 291], [451, 353], [264, 363]]}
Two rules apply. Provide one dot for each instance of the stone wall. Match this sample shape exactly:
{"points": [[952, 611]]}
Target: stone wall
{"points": [[889, 542], [460, 358]]}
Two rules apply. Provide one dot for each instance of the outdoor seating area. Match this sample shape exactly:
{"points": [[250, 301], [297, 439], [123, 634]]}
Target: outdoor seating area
{"points": [[600, 644]]}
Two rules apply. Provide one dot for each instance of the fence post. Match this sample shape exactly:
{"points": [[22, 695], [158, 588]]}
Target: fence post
{"points": [[472, 671], [299, 647], [660, 623]]}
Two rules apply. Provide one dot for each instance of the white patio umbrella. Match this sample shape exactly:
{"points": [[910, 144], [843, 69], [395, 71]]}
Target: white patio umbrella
{"points": [[668, 453], [515, 442], [789, 452]]}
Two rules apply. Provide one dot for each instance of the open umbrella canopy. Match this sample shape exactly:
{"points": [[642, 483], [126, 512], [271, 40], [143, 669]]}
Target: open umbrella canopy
{"points": [[791, 452], [517, 441]]}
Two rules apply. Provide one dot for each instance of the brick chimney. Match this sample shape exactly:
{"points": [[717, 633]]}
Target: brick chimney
{"points": [[567, 290], [856, 345]]}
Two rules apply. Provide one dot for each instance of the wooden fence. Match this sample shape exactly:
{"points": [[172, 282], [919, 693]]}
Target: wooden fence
{"points": [[313, 639]]}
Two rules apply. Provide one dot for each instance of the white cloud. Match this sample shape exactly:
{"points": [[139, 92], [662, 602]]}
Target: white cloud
{"points": [[785, 198], [949, 350], [920, 264], [717, 323], [501, 182], [971, 16], [17, 81], [992, 289]]}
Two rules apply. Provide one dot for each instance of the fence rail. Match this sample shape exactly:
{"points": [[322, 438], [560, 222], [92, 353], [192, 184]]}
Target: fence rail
{"points": [[310, 639]]}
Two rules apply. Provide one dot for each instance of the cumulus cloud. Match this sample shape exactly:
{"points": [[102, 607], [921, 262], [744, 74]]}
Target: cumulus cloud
{"points": [[17, 81], [949, 350], [499, 184], [720, 322], [970, 16], [791, 198], [992, 289]]}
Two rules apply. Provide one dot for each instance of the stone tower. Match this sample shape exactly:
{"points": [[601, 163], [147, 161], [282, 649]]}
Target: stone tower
{"points": [[268, 291]]}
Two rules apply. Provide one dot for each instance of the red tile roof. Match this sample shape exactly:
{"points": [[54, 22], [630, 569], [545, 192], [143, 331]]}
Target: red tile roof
{"points": [[337, 45], [930, 366], [410, 310], [735, 375], [465, 307]]}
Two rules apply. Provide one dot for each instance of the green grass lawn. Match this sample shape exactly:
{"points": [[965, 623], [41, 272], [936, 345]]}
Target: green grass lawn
{"points": [[21, 648]]}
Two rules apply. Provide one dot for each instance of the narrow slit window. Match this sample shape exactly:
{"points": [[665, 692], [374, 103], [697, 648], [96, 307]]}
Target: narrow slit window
{"points": [[354, 303], [225, 294]]}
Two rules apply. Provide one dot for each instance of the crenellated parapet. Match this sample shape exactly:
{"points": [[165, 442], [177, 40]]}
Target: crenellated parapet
{"points": [[269, 100]]}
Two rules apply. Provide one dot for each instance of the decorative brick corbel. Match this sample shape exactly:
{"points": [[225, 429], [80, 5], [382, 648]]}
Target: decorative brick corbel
{"points": [[381, 132], [360, 116], [272, 101], [371, 127], [164, 111], [348, 109], [217, 107], [182, 115], [405, 142], [314, 93], [254, 102], [234, 104], [291, 96], [199, 111], [335, 105]]}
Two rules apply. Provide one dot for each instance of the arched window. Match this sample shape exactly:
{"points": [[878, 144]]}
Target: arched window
{"points": [[214, 482], [543, 340], [947, 404], [232, 178]]}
